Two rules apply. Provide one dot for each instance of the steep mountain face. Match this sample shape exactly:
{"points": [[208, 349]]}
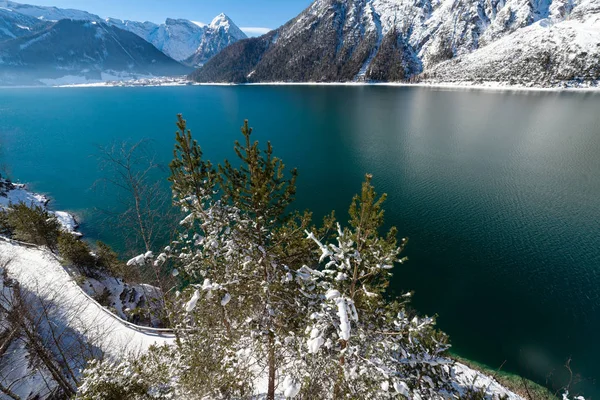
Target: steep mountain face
{"points": [[184, 40], [14, 25], [392, 40], [221, 33], [71, 50], [547, 53]]}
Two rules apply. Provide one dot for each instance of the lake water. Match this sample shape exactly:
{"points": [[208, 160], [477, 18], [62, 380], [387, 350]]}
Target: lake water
{"points": [[498, 192]]}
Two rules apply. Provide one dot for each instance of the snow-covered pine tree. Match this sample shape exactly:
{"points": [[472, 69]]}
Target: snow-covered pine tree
{"points": [[365, 340], [240, 250]]}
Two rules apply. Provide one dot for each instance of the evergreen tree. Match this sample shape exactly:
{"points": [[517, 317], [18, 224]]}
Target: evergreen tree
{"points": [[33, 224], [238, 242], [366, 340]]}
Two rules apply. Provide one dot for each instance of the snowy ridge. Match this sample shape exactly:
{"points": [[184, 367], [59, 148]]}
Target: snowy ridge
{"points": [[542, 43], [221, 33], [48, 13], [181, 39], [13, 24], [462, 25], [70, 51]]}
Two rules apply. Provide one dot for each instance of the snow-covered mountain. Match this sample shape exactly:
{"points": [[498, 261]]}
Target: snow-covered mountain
{"points": [[221, 33], [72, 51], [13, 25], [177, 38], [542, 42], [187, 41], [180, 39], [52, 14]]}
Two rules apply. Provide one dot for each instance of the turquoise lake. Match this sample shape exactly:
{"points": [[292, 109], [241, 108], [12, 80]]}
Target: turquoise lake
{"points": [[499, 192]]}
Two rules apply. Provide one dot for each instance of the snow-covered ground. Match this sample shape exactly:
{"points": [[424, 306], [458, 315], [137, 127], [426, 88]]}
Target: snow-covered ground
{"points": [[466, 85], [40, 272], [148, 81]]}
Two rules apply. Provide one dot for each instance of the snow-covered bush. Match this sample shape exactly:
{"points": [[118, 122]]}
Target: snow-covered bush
{"points": [[149, 377]]}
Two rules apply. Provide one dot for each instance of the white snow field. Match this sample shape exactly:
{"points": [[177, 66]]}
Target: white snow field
{"points": [[40, 272]]}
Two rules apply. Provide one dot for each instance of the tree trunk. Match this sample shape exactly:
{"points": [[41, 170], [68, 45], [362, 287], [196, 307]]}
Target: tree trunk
{"points": [[271, 391]]}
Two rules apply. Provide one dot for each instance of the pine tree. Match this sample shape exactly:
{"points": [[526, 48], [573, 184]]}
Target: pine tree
{"points": [[238, 242], [364, 339]]}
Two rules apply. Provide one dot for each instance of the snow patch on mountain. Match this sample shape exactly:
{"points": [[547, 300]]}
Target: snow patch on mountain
{"points": [[182, 39]]}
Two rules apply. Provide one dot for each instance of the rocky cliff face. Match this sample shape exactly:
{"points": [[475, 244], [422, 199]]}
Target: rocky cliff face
{"points": [[449, 40], [186, 41], [221, 33]]}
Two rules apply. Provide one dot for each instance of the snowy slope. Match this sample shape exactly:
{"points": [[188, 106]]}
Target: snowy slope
{"points": [[40, 271], [48, 13], [14, 25], [565, 52], [71, 51], [394, 40]]}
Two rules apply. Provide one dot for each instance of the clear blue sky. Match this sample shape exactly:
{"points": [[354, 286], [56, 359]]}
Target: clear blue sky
{"points": [[245, 13]]}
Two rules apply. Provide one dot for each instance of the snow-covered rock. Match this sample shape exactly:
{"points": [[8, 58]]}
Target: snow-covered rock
{"points": [[140, 304], [443, 40], [221, 33], [182, 39], [13, 193]]}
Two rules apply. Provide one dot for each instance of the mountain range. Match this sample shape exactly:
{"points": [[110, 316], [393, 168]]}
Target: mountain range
{"points": [[189, 42], [49, 45], [527, 42]]}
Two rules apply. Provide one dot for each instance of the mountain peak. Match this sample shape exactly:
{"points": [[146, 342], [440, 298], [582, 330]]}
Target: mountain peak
{"points": [[221, 20], [223, 23]]}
